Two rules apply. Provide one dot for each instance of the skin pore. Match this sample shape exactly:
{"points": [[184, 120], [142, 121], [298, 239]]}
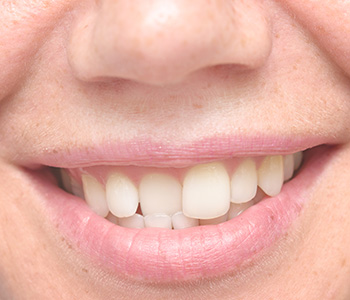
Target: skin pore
{"points": [[81, 73]]}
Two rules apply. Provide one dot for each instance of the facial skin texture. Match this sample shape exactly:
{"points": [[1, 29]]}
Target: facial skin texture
{"points": [[83, 72]]}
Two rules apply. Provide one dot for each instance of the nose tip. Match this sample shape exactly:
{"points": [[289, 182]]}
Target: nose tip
{"points": [[163, 41]]}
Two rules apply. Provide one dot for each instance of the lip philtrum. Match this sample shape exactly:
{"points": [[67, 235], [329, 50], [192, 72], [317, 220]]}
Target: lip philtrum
{"points": [[204, 194]]}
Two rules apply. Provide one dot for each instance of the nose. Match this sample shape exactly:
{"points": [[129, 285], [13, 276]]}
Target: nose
{"points": [[161, 42]]}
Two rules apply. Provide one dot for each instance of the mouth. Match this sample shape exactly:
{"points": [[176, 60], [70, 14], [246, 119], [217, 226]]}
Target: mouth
{"points": [[162, 224]]}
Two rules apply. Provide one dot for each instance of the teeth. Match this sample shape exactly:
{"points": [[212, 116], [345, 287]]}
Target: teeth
{"points": [[208, 196], [298, 158], [95, 195], [180, 221], [122, 196], [206, 191], [237, 209], [160, 193], [214, 221], [135, 221], [158, 221], [270, 175], [288, 165], [244, 182]]}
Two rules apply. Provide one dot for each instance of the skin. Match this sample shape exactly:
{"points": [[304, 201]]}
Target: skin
{"points": [[173, 71]]}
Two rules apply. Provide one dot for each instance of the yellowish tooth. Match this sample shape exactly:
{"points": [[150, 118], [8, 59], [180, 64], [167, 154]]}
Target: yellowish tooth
{"points": [[122, 195], [298, 158], [95, 195], [160, 193], [270, 175], [244, 182], [206, 191]]}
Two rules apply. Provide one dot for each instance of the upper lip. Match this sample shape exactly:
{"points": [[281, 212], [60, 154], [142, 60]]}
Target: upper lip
{"points": [[156, 154]]}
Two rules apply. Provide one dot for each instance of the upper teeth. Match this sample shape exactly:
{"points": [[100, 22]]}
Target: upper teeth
{"points": [[207, 192]]}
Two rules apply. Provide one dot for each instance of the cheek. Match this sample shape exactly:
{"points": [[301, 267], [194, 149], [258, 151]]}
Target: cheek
{"points": [[24, 26], [328, 22]]}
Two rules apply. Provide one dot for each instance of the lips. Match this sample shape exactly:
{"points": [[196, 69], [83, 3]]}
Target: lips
{"points": [[163, 255]]}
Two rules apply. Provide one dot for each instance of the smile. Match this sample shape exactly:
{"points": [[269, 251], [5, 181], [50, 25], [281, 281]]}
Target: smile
{"points": [[183, 221]]}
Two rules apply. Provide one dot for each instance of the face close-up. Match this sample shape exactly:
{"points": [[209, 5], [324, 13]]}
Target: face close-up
{"points": [[164, 149]]}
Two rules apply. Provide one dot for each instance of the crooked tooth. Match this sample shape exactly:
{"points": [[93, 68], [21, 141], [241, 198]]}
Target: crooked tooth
{"points": [[214, 221], [270, 175], [95, 195], [160, 193], [158, 221], [244, 182], [206, 191], [298, 158], [180, 221], [135, 221], [122, 195], [288, 167]]}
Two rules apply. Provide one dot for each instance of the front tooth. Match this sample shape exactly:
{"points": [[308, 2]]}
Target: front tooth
{"points": [[160, 193], [244, 182], [122, 195], [298, 158], [135, 221], [158, 221], [288, 167], [95, 195], [206, 191], [270, 175], [180, 221]]}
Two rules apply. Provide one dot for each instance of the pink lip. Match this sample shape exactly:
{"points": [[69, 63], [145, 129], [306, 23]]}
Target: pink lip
{"points": [[162, 255], [147, 153]]}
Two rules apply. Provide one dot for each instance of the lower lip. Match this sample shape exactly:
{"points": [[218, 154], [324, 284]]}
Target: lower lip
{"points": [[164, 255]]}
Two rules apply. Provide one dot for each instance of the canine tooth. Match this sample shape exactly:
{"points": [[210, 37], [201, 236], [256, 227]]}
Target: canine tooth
{"points": [[288, 167], [244, 182], [213, 221], [180, 221], [237, 209], [160, 193], [206, 191], [270, 175], [122, 195], [95, 195], [298, 158], [77, 189], [158, 221], [135, 221]]}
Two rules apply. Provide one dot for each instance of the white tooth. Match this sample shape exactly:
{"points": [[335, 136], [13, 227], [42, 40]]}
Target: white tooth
{"points": [[237, 209], [206, 191], [122, 195], [158, 220], [244, 182], [288, 166], [66, 182], [214, 221], [298, 158], [160, 193], [180, 221], [112, 218], [270, 175], [95, 195], [135, 221], [77, 189]]}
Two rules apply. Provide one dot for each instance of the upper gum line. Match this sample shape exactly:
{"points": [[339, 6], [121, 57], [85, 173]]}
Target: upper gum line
{"points": [[220, 172]]}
